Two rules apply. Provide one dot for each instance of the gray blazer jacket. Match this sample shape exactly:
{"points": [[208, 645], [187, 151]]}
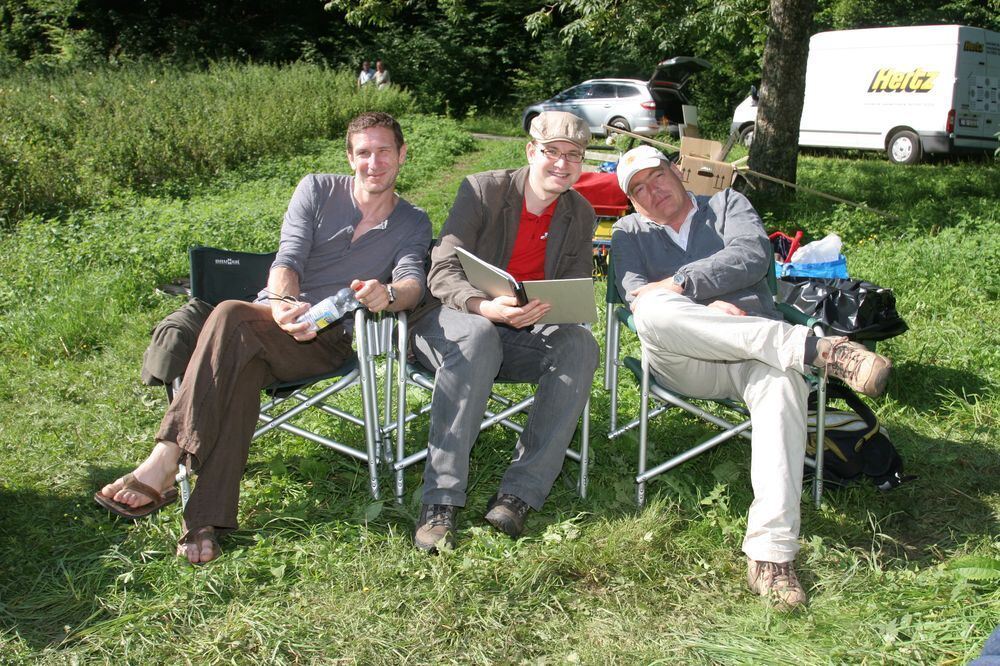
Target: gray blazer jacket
{"points": [[484, 220]]}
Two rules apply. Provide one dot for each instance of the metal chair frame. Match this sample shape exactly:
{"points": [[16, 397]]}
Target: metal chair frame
{"points": [[413, 374], [305, 394], [618, 316]]}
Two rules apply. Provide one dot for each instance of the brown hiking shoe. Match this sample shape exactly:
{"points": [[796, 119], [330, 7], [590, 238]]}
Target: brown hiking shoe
{"points": [[863, 370], [507, 514], [777, 581], [436, 527]]}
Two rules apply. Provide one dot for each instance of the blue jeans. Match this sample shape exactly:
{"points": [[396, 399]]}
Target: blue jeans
{"points": [[468, 353]]}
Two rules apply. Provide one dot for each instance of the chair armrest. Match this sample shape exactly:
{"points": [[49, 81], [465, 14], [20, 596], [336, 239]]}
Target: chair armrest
{"points": [[624, 315], [795, 316]]}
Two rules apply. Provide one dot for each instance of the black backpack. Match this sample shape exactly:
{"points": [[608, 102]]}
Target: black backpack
{"points": [[856, 444]]}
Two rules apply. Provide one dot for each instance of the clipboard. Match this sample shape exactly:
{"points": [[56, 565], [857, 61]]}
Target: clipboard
{"points": [[572, 300]]}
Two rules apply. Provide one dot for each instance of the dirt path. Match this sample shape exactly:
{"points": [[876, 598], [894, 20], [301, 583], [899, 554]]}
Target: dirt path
{"points": [[495, 137]]}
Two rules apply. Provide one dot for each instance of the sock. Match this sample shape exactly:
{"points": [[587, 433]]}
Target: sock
{"points": [[811, 351]]}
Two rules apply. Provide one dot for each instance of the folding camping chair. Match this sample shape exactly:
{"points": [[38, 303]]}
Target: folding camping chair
{"points": [[619, 316], [411, 373], [218, 275], [610, 203]]}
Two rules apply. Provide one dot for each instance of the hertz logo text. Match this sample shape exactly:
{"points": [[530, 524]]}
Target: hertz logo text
{"points": [[893, 80]]}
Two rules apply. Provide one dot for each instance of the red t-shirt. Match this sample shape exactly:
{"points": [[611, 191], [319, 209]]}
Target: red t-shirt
{"points": [[527, 262]]}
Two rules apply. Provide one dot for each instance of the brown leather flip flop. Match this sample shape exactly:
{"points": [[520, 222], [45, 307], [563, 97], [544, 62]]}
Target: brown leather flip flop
{"points": [[156, 500]]}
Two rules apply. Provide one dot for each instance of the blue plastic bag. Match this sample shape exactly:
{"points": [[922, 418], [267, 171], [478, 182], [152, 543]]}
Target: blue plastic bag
{"points": [[825, 269]]}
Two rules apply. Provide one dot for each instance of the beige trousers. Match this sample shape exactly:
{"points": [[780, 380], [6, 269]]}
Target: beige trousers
{"points": [[703, 352]]}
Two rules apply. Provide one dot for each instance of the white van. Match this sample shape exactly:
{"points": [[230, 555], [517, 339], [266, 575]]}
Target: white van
{"points": [[907, 91]]}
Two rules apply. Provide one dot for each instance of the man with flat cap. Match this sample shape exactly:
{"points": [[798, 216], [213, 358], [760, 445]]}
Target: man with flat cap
{"points": [[531, 223], [694, 269]]}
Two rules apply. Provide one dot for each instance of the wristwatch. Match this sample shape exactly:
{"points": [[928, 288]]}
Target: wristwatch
{"points": [[680, 280], [391, 293]]}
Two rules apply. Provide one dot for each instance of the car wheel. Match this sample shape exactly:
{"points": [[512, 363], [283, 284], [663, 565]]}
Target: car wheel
{"points": [[746, 135], [904, 148], [528, 119], [620, 123]]}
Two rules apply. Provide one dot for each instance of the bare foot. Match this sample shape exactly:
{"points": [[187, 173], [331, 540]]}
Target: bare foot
{"points": [[199, 545], [157, 471]]}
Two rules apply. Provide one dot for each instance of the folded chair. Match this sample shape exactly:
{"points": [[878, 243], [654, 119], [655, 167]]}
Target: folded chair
{"points": [[218, 275], [601, 191], [411, 373], [619, 317]]}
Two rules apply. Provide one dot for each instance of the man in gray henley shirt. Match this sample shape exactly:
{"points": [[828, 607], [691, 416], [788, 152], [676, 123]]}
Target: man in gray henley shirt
{"points": [[339, 231]]}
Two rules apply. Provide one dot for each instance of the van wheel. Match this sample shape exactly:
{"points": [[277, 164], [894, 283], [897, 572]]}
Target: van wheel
{"points": [[746, 135], [904, 148], [527, 121], [620, 123]]}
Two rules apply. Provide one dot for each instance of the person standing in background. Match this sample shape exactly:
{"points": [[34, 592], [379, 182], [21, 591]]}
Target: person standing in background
{"points": [[382, 79], [366, 74]]}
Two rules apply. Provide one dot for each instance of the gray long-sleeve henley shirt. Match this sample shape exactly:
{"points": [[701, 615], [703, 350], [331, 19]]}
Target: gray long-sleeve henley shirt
{"points": [[316, 240]]}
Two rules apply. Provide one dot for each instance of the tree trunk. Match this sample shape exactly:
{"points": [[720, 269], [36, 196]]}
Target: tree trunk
{"points": [[775, 147]]}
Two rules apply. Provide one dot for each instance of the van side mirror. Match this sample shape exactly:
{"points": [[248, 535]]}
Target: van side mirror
{"points": [[754, 95]]}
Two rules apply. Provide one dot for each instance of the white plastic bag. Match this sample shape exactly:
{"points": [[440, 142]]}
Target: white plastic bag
{"points": [[816, 252]]}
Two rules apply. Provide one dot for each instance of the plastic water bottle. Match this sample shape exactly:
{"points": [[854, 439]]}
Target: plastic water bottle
{"points": [[330, 309]]}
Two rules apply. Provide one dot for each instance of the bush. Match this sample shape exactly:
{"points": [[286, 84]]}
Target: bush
{"points": [[71, 138]]}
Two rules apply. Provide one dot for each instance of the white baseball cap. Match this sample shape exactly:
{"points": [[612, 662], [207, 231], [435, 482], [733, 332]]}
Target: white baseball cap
{"points": [[634, 161]]}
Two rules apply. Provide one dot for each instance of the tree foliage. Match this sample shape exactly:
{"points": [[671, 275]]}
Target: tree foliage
{"points": [[53, 32], [730, 35], [454, 55]]}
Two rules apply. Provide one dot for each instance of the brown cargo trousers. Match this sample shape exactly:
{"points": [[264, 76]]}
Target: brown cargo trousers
{"points": [[213, 416]]}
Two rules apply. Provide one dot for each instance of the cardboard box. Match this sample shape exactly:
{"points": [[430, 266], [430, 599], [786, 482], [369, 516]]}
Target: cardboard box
{"points": [[703, 148], [705, 177], [701, 171], [689, 128]]}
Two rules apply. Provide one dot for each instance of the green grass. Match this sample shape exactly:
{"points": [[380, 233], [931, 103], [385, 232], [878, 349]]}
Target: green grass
{"points": [[505, 124], [318, 573], [76, 137]]}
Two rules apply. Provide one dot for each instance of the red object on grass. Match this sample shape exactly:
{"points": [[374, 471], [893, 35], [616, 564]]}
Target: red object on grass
{"points": [[603, 193], [793, 242]]}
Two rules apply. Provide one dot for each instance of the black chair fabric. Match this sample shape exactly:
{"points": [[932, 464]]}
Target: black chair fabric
{"points": [[221, 275]]}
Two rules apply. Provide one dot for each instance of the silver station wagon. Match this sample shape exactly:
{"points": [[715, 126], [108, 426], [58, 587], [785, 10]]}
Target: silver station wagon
{"points": [[643, 107]]}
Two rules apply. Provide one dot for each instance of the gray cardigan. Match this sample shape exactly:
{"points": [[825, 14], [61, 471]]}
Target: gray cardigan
{"points": [[484, 220], [726, 259]]}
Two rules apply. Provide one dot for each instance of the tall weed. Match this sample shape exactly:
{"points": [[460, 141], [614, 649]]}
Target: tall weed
{"points": [[71, 138]]}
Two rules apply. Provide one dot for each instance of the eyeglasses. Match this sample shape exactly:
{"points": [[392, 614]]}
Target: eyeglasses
{"points": [[554, 155]]}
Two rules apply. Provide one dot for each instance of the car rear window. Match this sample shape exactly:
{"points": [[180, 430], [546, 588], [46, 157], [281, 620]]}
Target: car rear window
{"points": [[628, 91]]}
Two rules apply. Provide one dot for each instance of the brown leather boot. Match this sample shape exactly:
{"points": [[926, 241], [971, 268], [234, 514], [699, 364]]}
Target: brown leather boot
{"points": [[507, 514], [435, 527], [777, 581], [863, 370]]}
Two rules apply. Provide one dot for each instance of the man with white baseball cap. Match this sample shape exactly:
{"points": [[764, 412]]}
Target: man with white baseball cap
{"points": [[694, 269], [531, 223]]}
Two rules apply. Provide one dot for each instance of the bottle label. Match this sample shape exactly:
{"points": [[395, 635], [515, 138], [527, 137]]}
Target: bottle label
{"points": [[330, 310]]}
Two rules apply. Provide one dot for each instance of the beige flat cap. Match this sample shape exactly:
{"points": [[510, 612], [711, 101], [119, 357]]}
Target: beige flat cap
{"points": [[560, 126]]}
